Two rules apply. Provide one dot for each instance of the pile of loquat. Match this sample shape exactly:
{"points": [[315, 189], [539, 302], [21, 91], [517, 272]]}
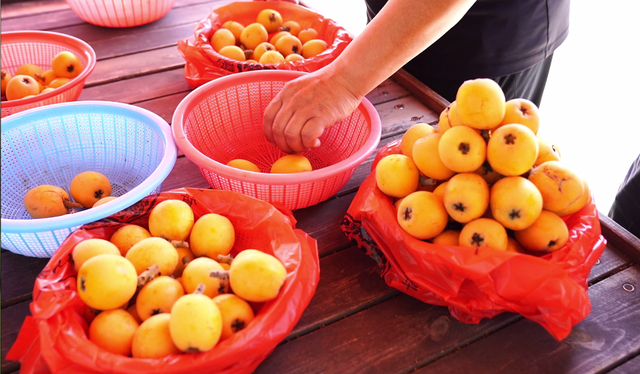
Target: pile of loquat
{"points": [[268, 40], [484, 177], [171, 287], [30, 80]]}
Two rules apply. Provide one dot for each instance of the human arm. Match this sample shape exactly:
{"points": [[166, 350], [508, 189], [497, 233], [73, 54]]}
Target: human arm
{"points": [[306, 106]]}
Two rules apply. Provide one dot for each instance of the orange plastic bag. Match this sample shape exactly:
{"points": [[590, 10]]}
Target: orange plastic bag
{"points": [[550, 290], [203, 63], [55, 339]]}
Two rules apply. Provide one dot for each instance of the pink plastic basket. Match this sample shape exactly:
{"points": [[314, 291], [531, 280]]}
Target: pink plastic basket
{"points": [[222, 120], [120, 13], [39, 48]]}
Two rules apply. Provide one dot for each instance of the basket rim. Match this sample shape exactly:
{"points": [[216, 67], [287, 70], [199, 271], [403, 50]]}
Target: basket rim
{"points": [[190, 101], [10, 37], [159, 174]]}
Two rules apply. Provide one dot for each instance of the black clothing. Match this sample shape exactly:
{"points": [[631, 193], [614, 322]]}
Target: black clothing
{"points": [[626, 206]]}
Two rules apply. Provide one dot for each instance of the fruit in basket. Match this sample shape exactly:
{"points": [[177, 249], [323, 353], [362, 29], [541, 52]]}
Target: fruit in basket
{"points": [[222, 38], [270, 19], [197, 272], [515, 202], [397, 175], [512, 149], [233, 52], [195, 323], [480, 103], [314, 47], [29, 69], [153, 338], [559, 185], [547, 234], [254, 276], [427, 158], [171, 219], [462, 149], [113, 331], [153, 251], [288, 44], [88, 187], [46, 77], [483, 232], [58, 82], [271, 58], [21, 86], [126, 236], [236, 314], [106, 281], [521, 111], [158, 296], [89, 248], [415, 132], [547, 151], [66, 64], [293, 163], [244, 165], [235, 28], [466, 197], [46, 201], [307, 34], [212, 235], [252, 35], [422, 215], [291, 26], [5, 78]]}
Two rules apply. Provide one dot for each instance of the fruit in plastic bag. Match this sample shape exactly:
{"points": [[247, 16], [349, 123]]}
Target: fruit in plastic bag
{"points": [[89, 248], [415, 132], [158, 296], [153, 339], [480, 103], [462, 149], [126, 236], [512, 149], [236, 313], [515, 202], [521, 111], [153, 251], [483, 233], [253, 35], [197, 272], [270, 19], [397, 175], [559, 185], [195, 323], [547, 234], [106, 281], [422, 215], [313, 48], [171, 220], [466, 197], [113, 330], [212, 235]]}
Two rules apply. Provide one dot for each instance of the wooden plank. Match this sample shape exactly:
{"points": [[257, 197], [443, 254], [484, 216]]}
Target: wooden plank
{"points": [[630, 366], [12, 318], [29, 8], [349, 284], [622, 239], [425, 94], [398, 115], [164, 106], [18, 276], [138, 89], [600, 342], [130, 66]]}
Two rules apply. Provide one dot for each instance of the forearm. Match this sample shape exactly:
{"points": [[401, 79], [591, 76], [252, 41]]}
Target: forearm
{"points": [[401, 30]]}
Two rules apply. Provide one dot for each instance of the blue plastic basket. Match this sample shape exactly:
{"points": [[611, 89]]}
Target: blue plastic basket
{"points": [[132, 146]]}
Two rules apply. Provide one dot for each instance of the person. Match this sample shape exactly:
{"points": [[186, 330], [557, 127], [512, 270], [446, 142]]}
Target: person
{"points": [[440, 42], [625, 209]]}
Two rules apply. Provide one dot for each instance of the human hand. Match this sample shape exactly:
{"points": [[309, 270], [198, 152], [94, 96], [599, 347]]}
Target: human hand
{"points": [[298, 115]]}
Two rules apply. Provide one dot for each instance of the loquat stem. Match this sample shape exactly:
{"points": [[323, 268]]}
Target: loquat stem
{"points": [[227, 259], [185, 260], [179, 243], [200, 289], [70, 204], [147, 275]]}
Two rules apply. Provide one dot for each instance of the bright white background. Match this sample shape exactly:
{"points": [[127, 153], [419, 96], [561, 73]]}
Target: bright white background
{"points": [[591, 106]]}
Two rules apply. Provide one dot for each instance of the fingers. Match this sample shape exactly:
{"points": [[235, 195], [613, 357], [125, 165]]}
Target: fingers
{"points": [[311, 131], [269, 116]]}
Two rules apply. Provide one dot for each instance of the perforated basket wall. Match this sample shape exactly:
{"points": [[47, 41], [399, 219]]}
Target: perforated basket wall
{"points": [[51, 145], [222, 120], [39, 48], [120, 13]]}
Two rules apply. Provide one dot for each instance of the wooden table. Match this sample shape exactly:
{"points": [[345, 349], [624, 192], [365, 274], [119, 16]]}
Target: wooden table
{"points": [[355, 323]]}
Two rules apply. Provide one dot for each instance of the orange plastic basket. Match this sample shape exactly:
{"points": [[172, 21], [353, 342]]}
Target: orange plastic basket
{"points": [[120, 13], [222, 120], [39, 48]]}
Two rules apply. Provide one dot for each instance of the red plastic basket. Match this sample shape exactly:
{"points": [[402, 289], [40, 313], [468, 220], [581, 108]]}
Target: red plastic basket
{"points": [[120, 13], [222, 120], [39, 48]]}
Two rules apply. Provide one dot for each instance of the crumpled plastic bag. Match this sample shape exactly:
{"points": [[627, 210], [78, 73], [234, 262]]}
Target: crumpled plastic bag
{"points": [[54, 339], [203, 63], [550, 290]]}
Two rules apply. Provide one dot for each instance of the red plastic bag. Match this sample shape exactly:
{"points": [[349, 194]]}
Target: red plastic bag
{"points": [[55, 338], [550, 290], [203, 63]]}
